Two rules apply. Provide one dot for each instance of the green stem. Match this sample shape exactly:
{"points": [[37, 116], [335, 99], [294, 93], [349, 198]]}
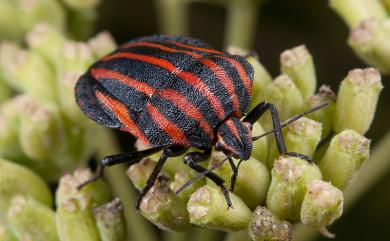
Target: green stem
{"points": [[171, 236], [241, 22], [138, 229], [237, 236], [371, 172], [204, 234], [173, 16]]}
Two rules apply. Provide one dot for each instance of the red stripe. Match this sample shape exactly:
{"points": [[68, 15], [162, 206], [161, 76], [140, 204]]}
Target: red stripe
{"points": [[142, 87], [241, 71], [224, 79], [188, 108], [177, 135], [212, 51], [121, 112], [161, 47], [229, 123], [190, 78]]}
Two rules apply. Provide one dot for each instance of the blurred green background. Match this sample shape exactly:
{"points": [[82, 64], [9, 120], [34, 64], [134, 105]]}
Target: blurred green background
{"points": [[281, 24]]}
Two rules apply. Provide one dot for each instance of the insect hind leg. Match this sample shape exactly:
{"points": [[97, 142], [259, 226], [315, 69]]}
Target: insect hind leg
{"points": [[131, 158]]}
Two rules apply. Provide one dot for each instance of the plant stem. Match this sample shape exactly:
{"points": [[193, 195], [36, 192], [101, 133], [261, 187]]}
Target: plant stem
{"points": [[241, 22], [237, 236], [374, 169], [173, 16], [138, 229], [171, 236]]}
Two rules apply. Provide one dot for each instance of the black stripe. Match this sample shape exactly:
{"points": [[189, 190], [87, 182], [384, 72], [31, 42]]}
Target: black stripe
{"points": [[190, 127]]}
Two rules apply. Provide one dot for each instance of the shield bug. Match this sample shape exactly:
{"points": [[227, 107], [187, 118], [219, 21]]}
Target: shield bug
{"points": [[172, 93]]}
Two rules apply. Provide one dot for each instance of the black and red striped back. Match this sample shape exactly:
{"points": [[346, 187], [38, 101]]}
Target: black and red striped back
{"points": [[166, 90]]}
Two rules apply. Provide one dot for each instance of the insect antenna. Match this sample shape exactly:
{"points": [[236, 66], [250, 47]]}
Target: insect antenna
{"points": [[202, 174], [291, 120]]}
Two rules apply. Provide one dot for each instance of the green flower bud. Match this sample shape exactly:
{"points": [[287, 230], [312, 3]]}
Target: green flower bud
{"points": [[76, 57], [95, 193], [18, 180], [285, 95], [180, 178], [261, 78], [31, 220], [297, 63], [208, 208], [139, 173], [301, 136], [354, 11], [27, 71], [110, 221], [357, 99], [288, 186], [346, 153], [32, 12], [81, 23], [75, 220], [324, 115], [260, 146], [41, 135], [252, 181], [9, 130], [322, 205], [47, 41], [265, 226], [102, 44], [164, 208], [369, 41]]}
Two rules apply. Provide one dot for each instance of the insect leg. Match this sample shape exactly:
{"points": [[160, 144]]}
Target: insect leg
{"points": [[193, 158], [131, 158], [235, 173], [168, 152], [257, 112]]}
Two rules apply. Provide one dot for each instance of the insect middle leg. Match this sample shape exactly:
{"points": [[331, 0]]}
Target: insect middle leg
{"points": [[131, 158], [193, 158], [172, 151], [257, 112]]}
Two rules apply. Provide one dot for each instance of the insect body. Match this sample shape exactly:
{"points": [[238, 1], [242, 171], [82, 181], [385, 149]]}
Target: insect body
{"points": [[175, 92]]}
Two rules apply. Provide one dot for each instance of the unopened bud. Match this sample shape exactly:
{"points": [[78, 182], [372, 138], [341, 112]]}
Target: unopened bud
{"points": [[110, 221], [354, 11], [322, 205], [297, 63], [325, 115], [252, 181], [357, 99], [261, 78], [102, 44], [265, 226], [346, 153], [139, 173], [164, 208], [288, 186], [31, 220], [208, 208], [18, 180]]}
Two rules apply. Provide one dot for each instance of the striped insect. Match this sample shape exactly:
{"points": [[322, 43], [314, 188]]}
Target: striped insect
{"points": [[172, 93]]}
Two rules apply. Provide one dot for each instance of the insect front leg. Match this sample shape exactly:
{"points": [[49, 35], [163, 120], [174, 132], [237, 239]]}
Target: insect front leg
{"points": [[193, 158], [257, 112], [131, 158], [172, 151]]}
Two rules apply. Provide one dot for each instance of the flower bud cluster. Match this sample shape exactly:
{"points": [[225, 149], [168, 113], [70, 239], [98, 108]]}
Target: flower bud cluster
{"points": [[278, 190], [42, 127]]}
